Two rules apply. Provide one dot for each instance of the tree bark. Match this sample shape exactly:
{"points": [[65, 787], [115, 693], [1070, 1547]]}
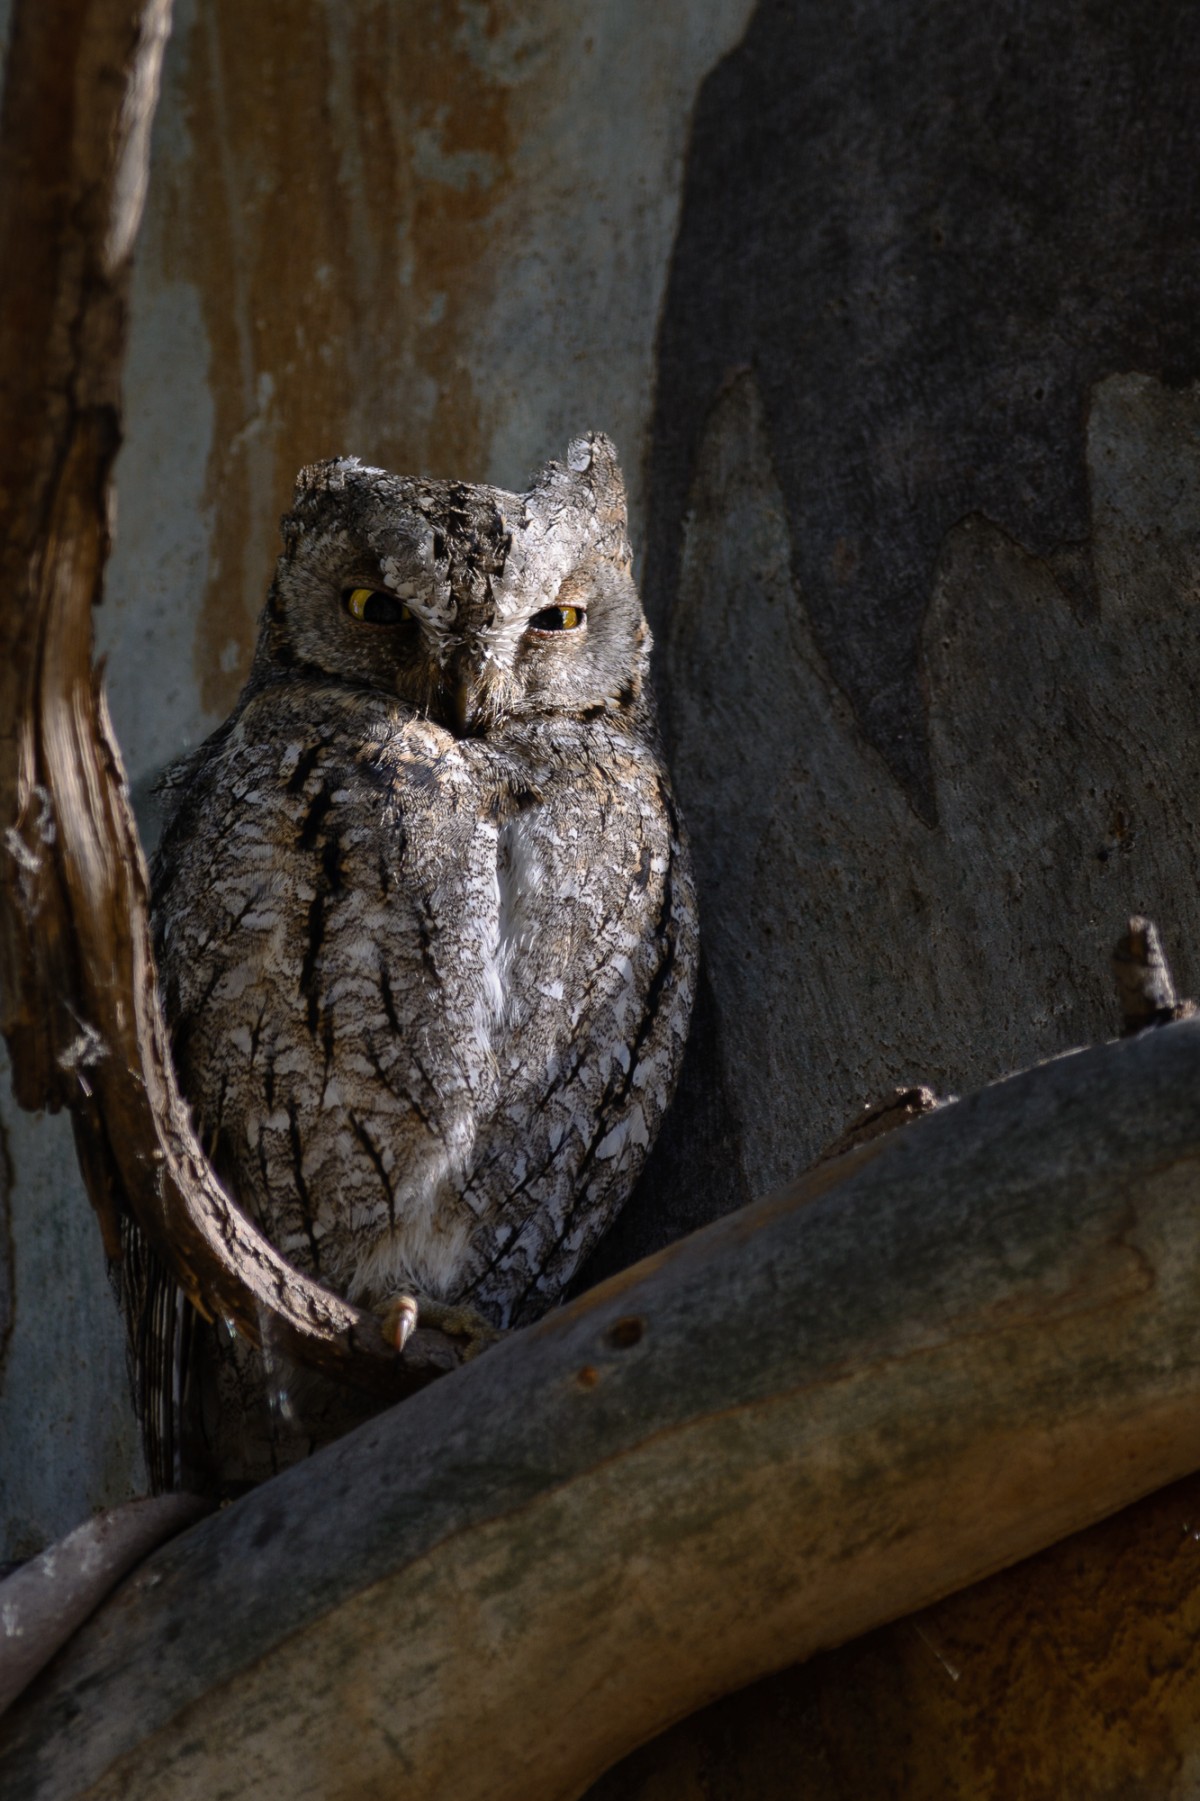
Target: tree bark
{"points": [[831, 1408], [1010, 684]]}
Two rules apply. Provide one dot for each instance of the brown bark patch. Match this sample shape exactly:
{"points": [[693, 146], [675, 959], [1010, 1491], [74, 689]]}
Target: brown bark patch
{"points": [[328, 275]]}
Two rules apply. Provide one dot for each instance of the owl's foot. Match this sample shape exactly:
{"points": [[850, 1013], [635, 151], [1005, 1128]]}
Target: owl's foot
{"points": [[405, 1311]]}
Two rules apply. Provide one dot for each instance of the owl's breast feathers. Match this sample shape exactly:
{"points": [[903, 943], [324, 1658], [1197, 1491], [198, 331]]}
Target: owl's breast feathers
{"points": [[429, 995]]}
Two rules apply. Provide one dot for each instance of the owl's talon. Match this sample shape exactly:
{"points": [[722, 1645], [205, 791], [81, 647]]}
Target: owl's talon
{"points": [[406, 1311], [399, 1320], [461, 1322]]}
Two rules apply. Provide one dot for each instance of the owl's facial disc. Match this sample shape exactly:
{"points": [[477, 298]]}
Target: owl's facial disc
{"points": [[475, 607]]}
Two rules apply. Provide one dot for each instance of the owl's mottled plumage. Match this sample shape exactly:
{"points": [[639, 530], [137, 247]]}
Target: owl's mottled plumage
{"points": [[423, 914]]}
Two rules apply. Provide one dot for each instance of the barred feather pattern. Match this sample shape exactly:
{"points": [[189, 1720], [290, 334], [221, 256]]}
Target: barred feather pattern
{"points": [[423, 909]]}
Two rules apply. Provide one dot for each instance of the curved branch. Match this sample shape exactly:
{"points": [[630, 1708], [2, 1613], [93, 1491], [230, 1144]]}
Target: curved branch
{"points": [[48, 1598], [81, 1011], [813, 1416]]}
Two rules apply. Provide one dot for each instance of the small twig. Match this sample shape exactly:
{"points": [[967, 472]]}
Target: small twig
{"points": [[1144, 986], [899, 1108]]}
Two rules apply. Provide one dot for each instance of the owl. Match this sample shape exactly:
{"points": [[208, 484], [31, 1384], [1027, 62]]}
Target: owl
{"points": [[422, 906]]}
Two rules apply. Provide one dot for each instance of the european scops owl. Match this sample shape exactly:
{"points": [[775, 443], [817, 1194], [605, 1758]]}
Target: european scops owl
{"points": [[423, 911]]}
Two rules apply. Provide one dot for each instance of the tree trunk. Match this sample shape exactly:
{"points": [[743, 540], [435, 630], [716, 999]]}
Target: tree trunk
{"points": [[898, 305]]}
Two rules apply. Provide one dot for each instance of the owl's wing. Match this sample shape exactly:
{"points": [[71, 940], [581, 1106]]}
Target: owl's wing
{"points": [[157, 1324]]}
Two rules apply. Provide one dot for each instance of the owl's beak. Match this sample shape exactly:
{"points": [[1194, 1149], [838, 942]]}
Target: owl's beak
{"points": [[468, 697], [464, 705], [470, 692]]}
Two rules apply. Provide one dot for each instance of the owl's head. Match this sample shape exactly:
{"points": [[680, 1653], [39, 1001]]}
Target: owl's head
{"points": [[474, 605]]}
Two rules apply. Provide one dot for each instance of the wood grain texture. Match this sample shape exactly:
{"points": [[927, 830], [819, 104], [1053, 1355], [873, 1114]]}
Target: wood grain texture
{"points": [[830, 1409]]}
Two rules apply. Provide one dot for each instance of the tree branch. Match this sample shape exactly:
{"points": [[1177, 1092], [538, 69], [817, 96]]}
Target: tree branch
{"points": [[80, 1006], [813, 1416]]}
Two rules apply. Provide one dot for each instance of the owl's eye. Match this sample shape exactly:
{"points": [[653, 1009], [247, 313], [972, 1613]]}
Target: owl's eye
{"points": [[558, 619], [374, 607]]}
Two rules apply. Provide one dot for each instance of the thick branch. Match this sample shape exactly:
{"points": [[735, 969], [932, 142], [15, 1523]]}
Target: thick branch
{"points": [[814, 1416], [77, 988]]}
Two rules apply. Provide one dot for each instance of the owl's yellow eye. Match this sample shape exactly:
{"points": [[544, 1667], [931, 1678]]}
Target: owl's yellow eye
{"points": [[558, 619], [374, 607]]}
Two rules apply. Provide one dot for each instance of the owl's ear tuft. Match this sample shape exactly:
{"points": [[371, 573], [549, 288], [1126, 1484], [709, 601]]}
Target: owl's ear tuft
{"points": [[327, 477], [592, 460], [314, 484]]}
